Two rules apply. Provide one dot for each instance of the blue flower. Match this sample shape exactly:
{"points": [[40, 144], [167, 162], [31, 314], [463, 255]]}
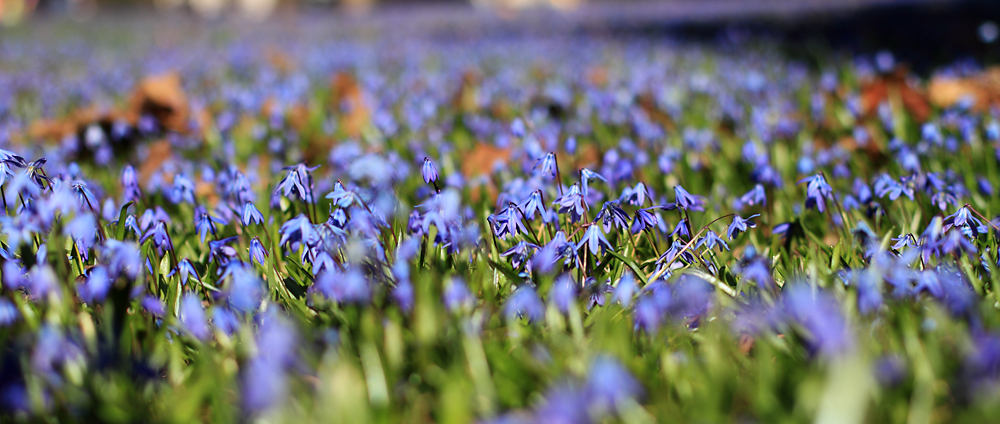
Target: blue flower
{"points": [[711, 240], [159, 234], [37, 174], [297, 182], [121, 258], [220, 251], [557, 248], [688, 201], [573, 202], [519, 253], [647, 315], [533, 205], [644, 220], [634, 196], [51, 352], [563, 404], [343, 197], [904, 240], [83, 230], [508, 222], [756, 196], [594, 239], [204, 222], [518, 128], [586, 176], [611, 214], [740, 225], [257, 252], [984, 186], [545, 166], [84, 195], [186, 270], [817, 191], [964, 220], [225, 321], [681, 230], [298, 230], [130, 185], [429, 172], [756, 270], [676, 248], [251, 215]]}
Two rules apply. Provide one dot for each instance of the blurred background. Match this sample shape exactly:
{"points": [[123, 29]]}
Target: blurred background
{"points": [[921, 33]]}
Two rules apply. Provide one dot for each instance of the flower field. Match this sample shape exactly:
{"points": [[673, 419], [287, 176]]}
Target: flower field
{"points": [[289, 224]]}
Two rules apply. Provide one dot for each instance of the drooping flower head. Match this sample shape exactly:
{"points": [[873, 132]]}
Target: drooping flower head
{"points": [[688, 201], [297, 182], [429, 172], [817, 192]]}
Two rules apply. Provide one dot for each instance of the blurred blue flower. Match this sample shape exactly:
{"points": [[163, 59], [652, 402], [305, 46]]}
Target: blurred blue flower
{"points": [[824, 328], [564, 293], [456, 296], [345, 287], [192, 316], [95, 287], [402, 294], [265, 381], [154, 306], [524, 303], [609, 384], [8, 313]]}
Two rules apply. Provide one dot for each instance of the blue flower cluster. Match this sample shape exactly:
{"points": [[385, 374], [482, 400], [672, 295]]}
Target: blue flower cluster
{"points": [[270, 229]]}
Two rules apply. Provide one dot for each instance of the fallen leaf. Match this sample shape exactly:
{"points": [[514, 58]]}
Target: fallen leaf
{"points": [[483, 158], [206, 190], [883, 87], [163, 97], [745, 343], [982, 89], [159, 152], [597, 76], [348, 98], [280, 61], [467, 97]]}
